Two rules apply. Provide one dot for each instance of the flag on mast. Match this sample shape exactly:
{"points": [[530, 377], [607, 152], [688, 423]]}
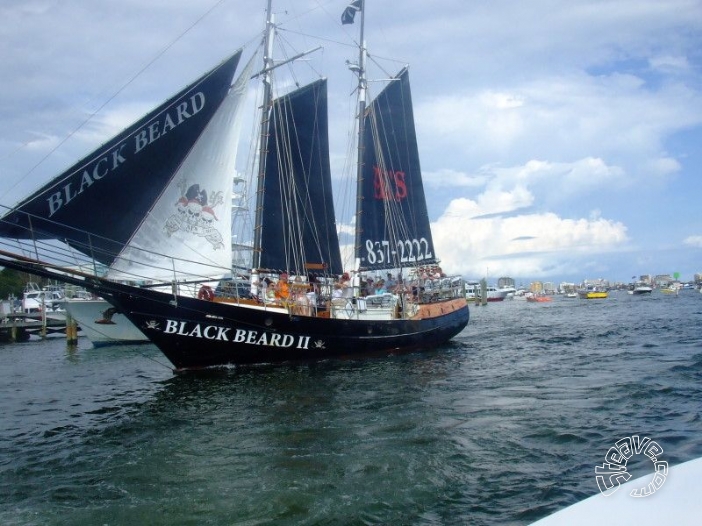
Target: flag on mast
{"points": [[350, 12]]}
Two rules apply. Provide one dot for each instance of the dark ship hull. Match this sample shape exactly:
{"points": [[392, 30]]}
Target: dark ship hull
{"points": [[197, 333]]}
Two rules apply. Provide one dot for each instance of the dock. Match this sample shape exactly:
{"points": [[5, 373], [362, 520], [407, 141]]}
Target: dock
{"points": [[19, 327]]}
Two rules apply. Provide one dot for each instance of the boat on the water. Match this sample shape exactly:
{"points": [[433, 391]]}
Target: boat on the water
{"points": [[102, 323], [538, 298], [640, 289], [666, 495], [593, 293], [170, 261], [474, 293], [37, 299]]}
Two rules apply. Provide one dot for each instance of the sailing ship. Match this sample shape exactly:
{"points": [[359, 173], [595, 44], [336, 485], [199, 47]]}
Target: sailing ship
{"points": [[167, 249]]}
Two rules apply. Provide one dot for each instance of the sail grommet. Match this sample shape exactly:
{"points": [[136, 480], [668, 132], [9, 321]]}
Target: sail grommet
{"points": [[205, 293]]}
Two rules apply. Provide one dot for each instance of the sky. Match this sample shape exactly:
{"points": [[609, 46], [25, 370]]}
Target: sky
{"points": [[559, 141]]}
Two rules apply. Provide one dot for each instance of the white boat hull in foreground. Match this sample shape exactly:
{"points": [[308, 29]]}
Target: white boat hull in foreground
{"points": [[101, 324], [676, 502]]}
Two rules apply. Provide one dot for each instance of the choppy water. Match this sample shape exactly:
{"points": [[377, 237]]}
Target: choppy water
{"points": [[502, 426]]}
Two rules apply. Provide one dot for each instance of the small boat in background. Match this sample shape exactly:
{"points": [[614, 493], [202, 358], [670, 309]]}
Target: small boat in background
{"points": [[36, 299], [593, 293], [492, 293], [538, 298], [640, 289]]}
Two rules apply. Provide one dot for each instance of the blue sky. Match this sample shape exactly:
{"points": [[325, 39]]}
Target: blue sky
{"points": [[559, 140]]}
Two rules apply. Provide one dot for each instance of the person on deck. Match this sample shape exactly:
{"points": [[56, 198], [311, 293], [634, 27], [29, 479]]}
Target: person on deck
{"points": [[267, 290], [282, 288], [390, 282], [254, 289], [380, 287], [369, 289], [346, 285], [345, 280]]}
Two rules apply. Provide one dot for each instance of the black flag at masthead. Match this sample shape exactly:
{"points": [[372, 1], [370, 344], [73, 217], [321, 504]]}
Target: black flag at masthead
{"points": [[350, 12]]}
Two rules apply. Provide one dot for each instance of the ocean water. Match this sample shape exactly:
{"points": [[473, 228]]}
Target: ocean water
{"points": [[504, 425]]}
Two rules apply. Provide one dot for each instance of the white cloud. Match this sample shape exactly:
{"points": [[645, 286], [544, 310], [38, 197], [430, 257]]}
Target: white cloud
{"points": [[41, 143], [558, 181], [524, 245], [452, 178], [494, 201], [669, 63], [111, 122], [662, 166], [693, 241], [560, 118]]}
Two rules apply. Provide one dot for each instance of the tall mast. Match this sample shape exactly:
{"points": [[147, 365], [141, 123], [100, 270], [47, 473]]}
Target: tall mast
{"points": [[263, 139], [362, 90]]}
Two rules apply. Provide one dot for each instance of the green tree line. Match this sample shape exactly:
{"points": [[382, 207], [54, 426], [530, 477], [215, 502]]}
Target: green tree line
{"points": [[12, 282]]}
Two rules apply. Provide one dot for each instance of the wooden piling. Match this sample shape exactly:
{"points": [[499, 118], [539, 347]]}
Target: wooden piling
{"points": [[71, 331]]}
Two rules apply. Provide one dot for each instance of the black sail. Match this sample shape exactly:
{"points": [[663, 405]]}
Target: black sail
{"points": [[298, 227], [394, 222], [98, 203]]}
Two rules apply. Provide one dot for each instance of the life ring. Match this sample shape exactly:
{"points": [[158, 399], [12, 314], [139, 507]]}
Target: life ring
{"points": [[205, 293]]}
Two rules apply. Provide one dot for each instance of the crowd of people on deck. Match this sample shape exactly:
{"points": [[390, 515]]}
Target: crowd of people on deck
{"points": [[306, 293]]}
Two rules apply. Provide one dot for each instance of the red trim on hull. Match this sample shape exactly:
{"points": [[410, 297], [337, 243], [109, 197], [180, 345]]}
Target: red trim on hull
{"points": [[192, 337]]}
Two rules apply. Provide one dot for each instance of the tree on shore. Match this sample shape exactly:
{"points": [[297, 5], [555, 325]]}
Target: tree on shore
{"points": [[12, 282]]}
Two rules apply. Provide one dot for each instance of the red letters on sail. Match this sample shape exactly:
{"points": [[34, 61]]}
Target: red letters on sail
{"points": [[389, 185]]}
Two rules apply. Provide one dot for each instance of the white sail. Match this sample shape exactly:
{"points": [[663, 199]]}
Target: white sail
{"points": [[187, 233]]}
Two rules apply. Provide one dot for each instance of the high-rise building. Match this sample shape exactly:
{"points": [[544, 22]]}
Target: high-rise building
{"points": [[505, 282]]}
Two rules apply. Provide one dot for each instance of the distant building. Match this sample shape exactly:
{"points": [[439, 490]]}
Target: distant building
{"points": [[536, 287], [505, 282], [599, 282], [549, 287], [565, 288]]}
